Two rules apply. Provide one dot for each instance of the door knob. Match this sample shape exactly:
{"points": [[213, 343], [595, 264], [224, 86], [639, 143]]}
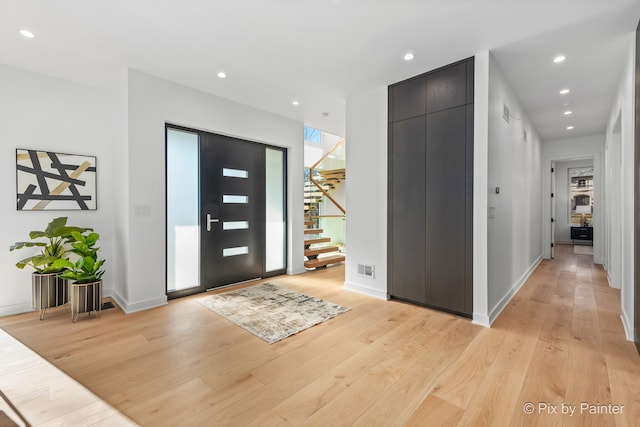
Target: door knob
{"points": [[210, 220]]}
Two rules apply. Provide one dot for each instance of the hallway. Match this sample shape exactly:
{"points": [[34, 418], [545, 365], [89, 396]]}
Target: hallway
{"points": [[581, 353], [560, 341]]}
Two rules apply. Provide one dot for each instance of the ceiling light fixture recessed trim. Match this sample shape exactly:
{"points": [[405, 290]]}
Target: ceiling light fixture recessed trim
{"points": [[564, 91], [26, 33], [408, 56], [568, 113], [222, 74], [559, 58], [295, 102], [569, 127]]}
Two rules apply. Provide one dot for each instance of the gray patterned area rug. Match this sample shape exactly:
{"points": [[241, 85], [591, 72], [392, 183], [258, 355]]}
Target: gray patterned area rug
{"points": [[271, 312]]}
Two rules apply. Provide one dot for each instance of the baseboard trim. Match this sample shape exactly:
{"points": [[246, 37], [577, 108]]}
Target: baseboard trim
{"points": [[493, 315], [612, 283], [138, 306], [481, 320], [366, 290], [295, 271], [10, 310], [564, 242], [627, 325]]}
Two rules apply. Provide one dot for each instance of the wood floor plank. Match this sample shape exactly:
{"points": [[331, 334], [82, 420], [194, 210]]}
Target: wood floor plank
{"points": [[397, 404], [436, 412], [587, 370], [460, 382]]}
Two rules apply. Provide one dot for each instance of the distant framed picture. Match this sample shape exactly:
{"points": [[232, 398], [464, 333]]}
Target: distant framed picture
{"points": [[46, 180]]}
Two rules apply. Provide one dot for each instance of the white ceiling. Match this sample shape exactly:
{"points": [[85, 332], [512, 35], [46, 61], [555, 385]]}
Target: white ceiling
{"points": [[322, 51]]}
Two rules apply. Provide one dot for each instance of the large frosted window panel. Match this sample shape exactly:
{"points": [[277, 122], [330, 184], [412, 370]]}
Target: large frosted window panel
{"points": [[183, 241], [275, 210]]}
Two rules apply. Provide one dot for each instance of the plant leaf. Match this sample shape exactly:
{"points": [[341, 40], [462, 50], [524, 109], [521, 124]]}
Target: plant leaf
{"points": [[54, 227], [20, 245]]}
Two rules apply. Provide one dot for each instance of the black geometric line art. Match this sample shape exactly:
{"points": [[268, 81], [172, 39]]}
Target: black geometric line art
{"points": [[48, 180]]}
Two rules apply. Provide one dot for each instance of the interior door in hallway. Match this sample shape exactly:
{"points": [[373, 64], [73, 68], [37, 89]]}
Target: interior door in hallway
{"points": [[553, 208]]}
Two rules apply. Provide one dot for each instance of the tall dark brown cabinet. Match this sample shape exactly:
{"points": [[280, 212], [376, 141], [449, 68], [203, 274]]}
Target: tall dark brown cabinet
{"points": [[430, 227]]}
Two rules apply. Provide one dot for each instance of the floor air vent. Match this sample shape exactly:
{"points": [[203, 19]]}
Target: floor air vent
{"points": [[366, 270]]}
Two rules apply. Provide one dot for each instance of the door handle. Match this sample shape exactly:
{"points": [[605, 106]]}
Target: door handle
{"points": [[210, 220]]}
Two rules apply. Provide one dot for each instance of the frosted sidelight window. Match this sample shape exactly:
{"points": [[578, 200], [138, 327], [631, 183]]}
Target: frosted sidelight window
{"points": [[183, 232], [275, 210]]}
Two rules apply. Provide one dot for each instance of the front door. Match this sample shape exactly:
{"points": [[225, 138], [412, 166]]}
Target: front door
{"points": [[226, 210], [232, 210]]}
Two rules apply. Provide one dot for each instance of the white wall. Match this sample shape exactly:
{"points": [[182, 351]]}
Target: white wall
{"points": [[151, 103], [45, 113], [591, 147], [515, 220], [623, 208], [366, 191], [480, 186], [563, 198]]}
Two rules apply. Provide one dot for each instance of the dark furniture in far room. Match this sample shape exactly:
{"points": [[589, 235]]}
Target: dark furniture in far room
{"points": [[582, 233]]}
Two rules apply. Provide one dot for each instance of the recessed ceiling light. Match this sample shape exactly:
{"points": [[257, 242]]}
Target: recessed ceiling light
{"points": [[564, 91], [222, 74], [408, 56], [295, 102], [26, 33], [568, 113], [569, 127], [559, 58]]}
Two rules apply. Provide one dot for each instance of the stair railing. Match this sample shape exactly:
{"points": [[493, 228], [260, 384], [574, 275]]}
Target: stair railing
{"points": [[313, 168]]}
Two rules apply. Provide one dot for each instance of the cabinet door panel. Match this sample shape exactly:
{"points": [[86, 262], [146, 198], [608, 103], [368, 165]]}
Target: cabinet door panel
{"points": [[469, 212], [447, 88], [446, 209], [407, 219], [470, 80], [408, 99]]}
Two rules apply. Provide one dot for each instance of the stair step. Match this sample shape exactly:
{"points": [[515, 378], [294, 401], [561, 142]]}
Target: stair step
{"points": [[318, 240], [308, 223], [320, 250], [321, 262], [325, 187], [313, 231], [332, 173]]}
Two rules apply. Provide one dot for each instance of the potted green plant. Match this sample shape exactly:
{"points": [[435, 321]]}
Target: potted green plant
{"points": [[85, 274], [48, 288]]}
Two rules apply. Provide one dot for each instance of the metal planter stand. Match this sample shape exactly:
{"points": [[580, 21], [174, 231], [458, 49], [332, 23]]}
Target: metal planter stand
{"points": [[47, 291], [85, 298]]}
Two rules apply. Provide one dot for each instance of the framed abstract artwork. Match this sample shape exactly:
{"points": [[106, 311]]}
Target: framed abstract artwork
{"points": [[46, 180]]}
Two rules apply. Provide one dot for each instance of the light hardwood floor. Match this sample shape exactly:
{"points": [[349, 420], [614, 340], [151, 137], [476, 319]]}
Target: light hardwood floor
{"points": [[559, 341]]}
